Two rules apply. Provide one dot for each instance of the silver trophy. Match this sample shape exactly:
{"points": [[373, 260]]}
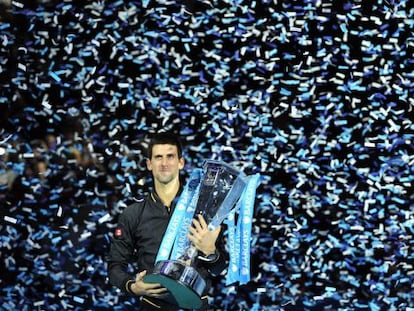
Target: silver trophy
{"points": [[220, 188]]}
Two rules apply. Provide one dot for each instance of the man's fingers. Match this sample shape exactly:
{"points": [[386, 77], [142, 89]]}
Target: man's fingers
{"points": [[153, 286], [140, 278], [199, 225], [140, 275], [202, 221], [196, 225], [158, 290], [194, 233]]}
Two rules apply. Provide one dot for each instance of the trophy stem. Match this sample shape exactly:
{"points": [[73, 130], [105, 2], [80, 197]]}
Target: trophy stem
{"points": [[189, 256]]}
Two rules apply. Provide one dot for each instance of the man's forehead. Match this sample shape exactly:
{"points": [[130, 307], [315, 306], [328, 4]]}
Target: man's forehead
{"points": [[159, 149]]}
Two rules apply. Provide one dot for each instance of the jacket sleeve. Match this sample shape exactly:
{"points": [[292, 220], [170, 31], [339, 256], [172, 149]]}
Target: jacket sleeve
{"points": [[121, 251]]}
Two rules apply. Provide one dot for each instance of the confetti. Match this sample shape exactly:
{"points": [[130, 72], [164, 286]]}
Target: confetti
{"points": [[313, 95]]}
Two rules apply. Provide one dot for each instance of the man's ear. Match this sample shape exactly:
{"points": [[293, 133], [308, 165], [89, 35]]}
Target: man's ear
{"points": [[149, 165], [182, 163]]}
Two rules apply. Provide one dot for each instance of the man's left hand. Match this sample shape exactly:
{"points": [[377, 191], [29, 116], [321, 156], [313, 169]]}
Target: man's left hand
{"points": [[202, 238]]}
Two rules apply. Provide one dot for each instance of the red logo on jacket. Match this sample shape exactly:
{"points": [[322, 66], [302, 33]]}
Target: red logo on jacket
{"points": [[118, 232]]}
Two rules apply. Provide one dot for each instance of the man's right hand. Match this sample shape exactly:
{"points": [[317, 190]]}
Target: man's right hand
{"points": [[147, 289]]}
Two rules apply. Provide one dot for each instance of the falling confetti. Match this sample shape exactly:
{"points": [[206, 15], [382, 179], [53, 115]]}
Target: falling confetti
{"points": [[316, 96]]}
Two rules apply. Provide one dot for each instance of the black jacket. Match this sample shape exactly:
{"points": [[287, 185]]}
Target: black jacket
{"points": [[137, 238]]}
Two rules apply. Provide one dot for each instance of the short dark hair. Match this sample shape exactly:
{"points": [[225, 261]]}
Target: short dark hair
{"points": [[163, 139]]}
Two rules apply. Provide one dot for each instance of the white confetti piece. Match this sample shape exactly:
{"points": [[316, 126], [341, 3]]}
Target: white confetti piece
{"points": [[10, 219]]}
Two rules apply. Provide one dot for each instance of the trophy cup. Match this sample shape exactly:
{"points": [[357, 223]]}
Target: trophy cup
{"points": [[220, 188]]}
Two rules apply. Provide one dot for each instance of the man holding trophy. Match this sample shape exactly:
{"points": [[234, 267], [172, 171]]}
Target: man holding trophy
{"points": [[174, 235]]}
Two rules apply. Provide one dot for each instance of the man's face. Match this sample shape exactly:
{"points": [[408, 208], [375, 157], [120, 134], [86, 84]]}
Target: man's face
{"points": [[165, 163]]}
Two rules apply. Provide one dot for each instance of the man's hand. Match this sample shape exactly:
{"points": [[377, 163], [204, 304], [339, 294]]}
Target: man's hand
{"points": [[147, 289], [202, 238]]}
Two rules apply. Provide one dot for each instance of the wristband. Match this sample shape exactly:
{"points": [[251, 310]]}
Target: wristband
{"points": [[209, 258]]}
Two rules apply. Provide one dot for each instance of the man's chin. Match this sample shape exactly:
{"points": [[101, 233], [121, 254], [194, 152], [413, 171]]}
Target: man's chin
{"points": [[165, 179]]}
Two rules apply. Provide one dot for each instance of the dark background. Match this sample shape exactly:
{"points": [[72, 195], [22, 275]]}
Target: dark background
{"points": [[315, 96]]}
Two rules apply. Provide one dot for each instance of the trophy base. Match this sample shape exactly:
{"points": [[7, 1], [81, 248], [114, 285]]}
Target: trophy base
{"points": [[184, 283]]}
